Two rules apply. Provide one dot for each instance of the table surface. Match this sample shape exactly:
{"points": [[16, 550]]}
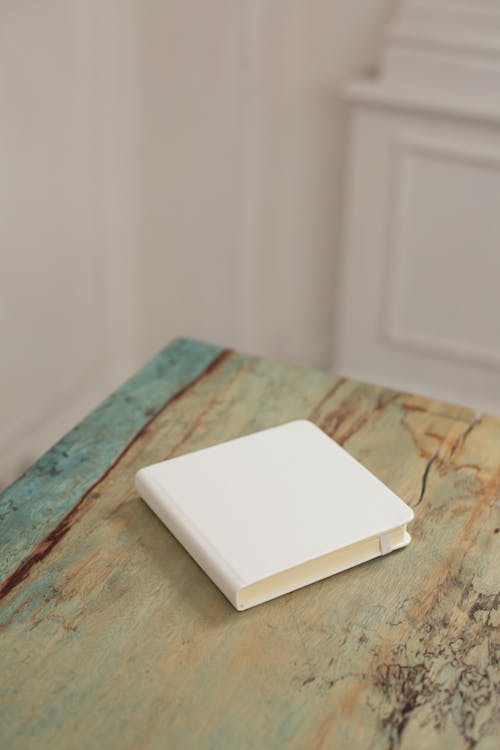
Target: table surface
{"points": [[111, 635]]}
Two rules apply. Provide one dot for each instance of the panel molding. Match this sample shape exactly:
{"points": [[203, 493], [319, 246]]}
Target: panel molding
{"points": [[439, 56], [389, 332]]}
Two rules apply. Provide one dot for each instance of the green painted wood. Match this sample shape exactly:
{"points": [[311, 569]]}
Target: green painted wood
{"points": [[34, 505], [117, 638]]}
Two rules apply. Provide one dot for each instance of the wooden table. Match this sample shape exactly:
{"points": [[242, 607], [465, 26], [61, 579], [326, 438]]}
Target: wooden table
{"points": [[112, 637]]}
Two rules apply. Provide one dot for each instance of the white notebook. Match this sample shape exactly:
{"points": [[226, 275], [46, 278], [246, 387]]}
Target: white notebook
{"points": [[273, 511]]}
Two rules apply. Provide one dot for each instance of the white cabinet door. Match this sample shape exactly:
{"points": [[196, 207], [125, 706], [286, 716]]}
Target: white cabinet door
{"points": [[420, 301]]}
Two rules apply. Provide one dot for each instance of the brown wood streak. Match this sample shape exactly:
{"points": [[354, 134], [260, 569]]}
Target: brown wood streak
{"points": [[332, 421], [328, 395], [458, 444], [197, 421], [51, 540]]}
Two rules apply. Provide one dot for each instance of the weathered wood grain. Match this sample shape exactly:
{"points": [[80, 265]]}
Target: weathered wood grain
{"points": [[117, 638], [31, 508]]}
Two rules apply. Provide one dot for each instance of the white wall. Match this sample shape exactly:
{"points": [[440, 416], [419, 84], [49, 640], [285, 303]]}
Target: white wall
{"points": [[245, 158], [168, 168], [71, 192]]}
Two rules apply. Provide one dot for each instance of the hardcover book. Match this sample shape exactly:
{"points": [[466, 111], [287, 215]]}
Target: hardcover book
{"points": [[274, 511]]}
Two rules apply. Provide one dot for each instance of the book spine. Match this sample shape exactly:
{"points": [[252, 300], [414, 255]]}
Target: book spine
{"points": [[189, 536]]}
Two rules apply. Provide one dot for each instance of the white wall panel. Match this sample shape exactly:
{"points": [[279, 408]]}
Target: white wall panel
{"points": [[443, 260], [419, 307]]}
